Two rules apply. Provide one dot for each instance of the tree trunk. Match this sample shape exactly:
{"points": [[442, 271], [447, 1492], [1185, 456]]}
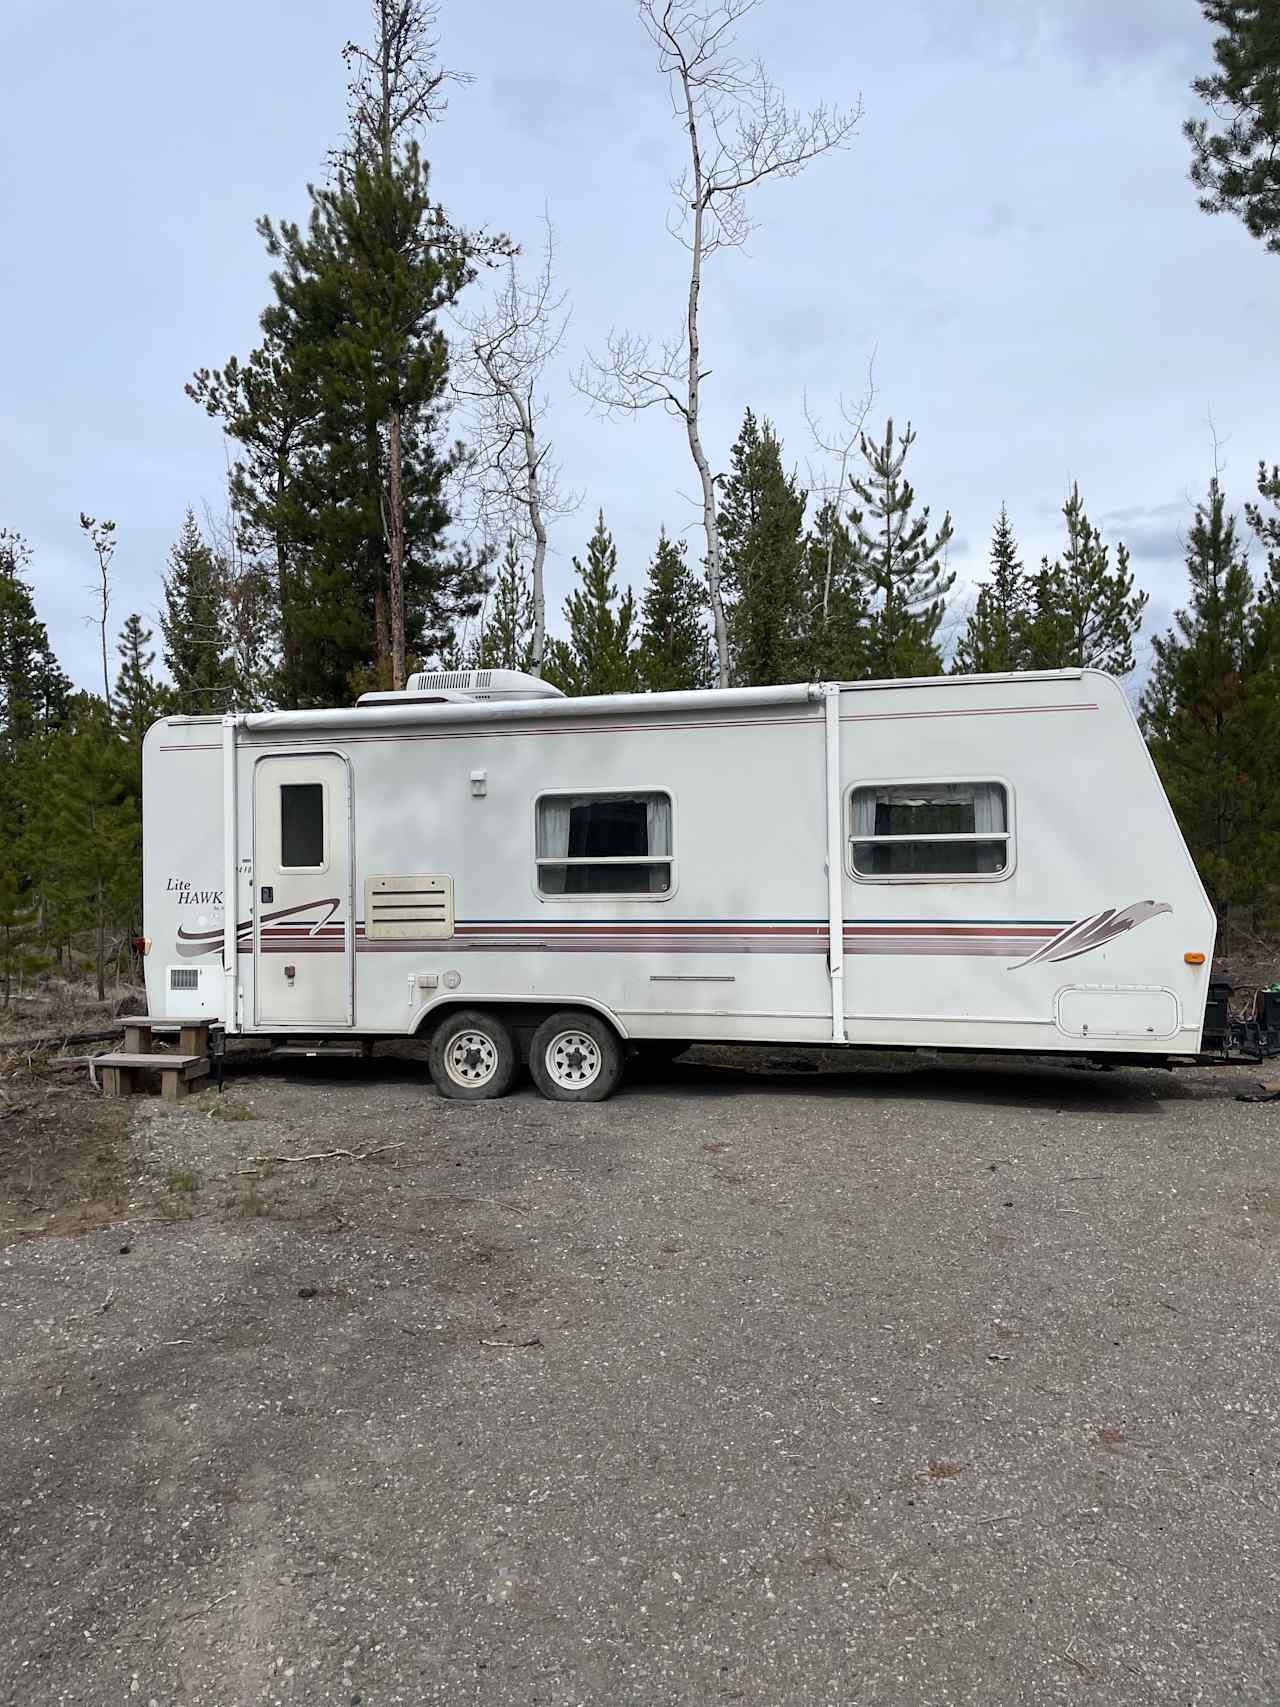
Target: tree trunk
{"points": [[106, 600], [102, 945], [382, 633], [534, 501], [395, 548], [710, 522], [288, 644]]}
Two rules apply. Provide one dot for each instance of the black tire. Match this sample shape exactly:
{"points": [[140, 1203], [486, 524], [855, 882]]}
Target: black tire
{"points": [[472, 1056], [575, 1057]]}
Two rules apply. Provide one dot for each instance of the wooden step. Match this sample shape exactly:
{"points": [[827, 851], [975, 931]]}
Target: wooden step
{"points": [[177, 1072], [161, 1063]]}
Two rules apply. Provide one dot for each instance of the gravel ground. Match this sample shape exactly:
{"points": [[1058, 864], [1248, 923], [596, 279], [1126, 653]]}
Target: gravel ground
{"points": [[922, 1383]]}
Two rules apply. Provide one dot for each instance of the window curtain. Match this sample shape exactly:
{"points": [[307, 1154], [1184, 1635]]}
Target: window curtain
{"points": [[989, 808], [553, 827], [658, 823]]}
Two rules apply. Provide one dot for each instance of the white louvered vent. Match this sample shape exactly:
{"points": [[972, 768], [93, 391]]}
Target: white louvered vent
{"points": [[425, 681], [401, 909], [184, 978]]}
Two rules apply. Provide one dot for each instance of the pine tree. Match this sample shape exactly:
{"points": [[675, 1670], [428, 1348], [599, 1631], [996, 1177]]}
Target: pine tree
{"points": [[1193, 709], [33, 690], [20, 956], [505, 641], [194, 625], [837, 611], [139, 699], [598, 656], [341, 412], [86, 831], [675, 650], [1264, 659], [1238, 166], [761, 523], [1084, 612], [33, 700], [905, 567], [995, 638]]}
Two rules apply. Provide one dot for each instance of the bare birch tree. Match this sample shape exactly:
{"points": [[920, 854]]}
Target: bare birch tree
{"points": [[837, 444], [102, 539], [740, 132], [512, 472]]}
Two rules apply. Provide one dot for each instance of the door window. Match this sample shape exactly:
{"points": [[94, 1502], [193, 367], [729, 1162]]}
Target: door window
{"points": [[301, 826]]}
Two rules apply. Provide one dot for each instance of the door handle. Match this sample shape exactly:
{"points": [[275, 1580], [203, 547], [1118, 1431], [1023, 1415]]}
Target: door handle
{"points": [[267, 892]]}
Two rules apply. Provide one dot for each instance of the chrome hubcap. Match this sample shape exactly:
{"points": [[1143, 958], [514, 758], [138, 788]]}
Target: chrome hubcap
{"points": [[574, 1060], [471, 1059]]}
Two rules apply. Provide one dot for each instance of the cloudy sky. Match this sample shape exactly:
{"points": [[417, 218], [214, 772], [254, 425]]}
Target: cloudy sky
{"points": [[1011, 233]]}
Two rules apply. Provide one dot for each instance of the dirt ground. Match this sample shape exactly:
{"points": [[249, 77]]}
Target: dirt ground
{"points": [[921, 1381]]}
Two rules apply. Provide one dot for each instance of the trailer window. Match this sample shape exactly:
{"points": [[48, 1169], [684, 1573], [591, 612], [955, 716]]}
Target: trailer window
{"points": [[301, 825], [930, 829], [604, 844]]}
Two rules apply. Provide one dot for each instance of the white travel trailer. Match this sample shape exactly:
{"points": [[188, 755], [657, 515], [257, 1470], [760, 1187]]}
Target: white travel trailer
{"points": [[961, 862]]}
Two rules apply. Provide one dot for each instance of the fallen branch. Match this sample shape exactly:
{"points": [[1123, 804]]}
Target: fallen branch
{"points": [[57, 1040], [321, 1156], [515, 1345]]}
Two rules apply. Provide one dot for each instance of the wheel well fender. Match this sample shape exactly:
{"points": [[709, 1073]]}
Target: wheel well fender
{"points": [[522, 1015]]}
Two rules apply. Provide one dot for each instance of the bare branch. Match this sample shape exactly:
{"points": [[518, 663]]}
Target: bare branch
{"points": [[839, 448], [398, 83], [739, 132], [511, 475]]}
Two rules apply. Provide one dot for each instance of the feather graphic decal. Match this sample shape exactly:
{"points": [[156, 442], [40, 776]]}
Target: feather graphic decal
{"points": [[1091, 933]]}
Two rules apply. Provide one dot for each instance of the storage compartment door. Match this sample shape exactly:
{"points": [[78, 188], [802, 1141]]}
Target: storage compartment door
{"points": [[1114, 1010], [302, 913]]}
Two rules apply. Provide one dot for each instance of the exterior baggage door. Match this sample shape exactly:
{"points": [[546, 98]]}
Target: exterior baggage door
{"points": [[302, 913]]}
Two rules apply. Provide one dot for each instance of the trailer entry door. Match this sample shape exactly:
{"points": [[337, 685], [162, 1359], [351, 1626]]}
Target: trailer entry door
{"points": [[302, 912]]}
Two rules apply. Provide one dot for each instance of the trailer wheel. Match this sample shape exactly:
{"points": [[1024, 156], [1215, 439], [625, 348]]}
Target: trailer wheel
{"points": [[472, 1056], [575, 1057]]}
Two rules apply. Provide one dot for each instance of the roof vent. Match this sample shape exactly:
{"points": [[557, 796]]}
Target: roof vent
{"points": [[466, 685]]}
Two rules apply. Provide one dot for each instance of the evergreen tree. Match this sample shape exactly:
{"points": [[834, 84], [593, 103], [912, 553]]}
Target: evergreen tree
{"points": [[506, 634], [33, 690], [905, 567], [1199, 713], [598, 656], [837, 611], [33, 699], [20, 955], [761, 523], [1264, 659], [675, 650], [1084, 612], [139, 699], [1238, 165], [341, 412], [995, 638], [194, 625], [85, 832]]}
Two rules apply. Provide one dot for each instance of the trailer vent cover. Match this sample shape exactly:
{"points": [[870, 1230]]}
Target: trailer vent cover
{"points": [[426, 680], [405, 909], [184, 978]]}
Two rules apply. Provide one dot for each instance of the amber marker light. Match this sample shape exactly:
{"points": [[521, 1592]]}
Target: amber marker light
{"points": [[1194, 959]]}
